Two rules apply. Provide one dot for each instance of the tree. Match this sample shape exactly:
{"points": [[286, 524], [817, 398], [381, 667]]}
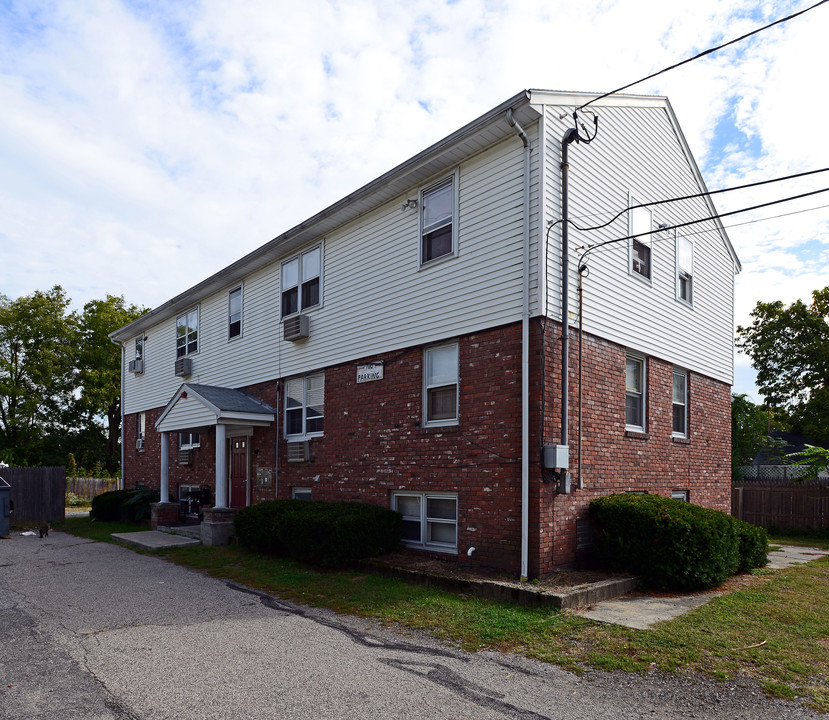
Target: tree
{"points": [[749, 432], [99, 368], [789, 348], [38, 340]]}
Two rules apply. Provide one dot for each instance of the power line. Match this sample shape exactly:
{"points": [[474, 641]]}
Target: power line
{"points": [[718, 216], [703, 54], [697, 195], [733, 225]]}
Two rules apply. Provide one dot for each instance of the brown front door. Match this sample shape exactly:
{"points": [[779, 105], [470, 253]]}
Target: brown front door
{"points": [[238, 472]]}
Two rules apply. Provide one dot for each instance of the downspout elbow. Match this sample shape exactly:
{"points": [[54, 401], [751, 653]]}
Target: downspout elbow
{"points": [[514, 123]]}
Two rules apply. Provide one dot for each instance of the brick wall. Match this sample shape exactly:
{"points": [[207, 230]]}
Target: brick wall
{"points": [[375, 443]]}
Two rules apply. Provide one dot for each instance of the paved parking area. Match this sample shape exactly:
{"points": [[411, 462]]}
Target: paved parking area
{"points": [[93, 630]]}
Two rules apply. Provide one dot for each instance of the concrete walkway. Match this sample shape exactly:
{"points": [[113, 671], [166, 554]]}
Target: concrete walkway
{"points": [[154, 540], [641, 611]]}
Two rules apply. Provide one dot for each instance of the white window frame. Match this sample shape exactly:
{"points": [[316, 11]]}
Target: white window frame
{"points": [[231, 315], [639, 220], [141, 431], [426, 522], [684, 270], [679, 372], [303, 408], [299, 493], [429, 386], [642, 393], [188, 440], [186, 316], [424, 230], [139, 348], [301, 280]]}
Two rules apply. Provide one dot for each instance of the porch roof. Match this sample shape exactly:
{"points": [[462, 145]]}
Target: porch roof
{"points": [[194, 406]]}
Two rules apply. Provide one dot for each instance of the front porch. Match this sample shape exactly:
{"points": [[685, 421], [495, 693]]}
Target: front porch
{"points": [[232, 416]]}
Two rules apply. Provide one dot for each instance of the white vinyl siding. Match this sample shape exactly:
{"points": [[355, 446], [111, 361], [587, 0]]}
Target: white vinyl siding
{"points": [[639, 152]]}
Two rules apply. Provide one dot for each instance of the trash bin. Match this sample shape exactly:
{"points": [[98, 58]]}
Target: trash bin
{"points": [[5, 507]]}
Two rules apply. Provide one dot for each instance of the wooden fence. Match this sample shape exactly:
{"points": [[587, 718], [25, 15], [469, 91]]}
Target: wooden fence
{"points": [[781, 504], [37, 493], [88, 488]]}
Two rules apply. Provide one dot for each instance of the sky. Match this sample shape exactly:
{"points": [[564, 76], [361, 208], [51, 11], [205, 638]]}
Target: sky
{"points": [[146, 145]]}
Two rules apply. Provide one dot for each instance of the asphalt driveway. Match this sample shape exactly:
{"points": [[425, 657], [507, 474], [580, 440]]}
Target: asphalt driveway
{"points": [[92, 630]]}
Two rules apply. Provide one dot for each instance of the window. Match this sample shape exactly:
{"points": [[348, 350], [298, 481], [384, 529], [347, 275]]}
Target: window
{"points": [[187, 333], [141, 429], [635, 393], [640, 224], [440, 367], [679, 495], [685, 270], [301, 493], [680, 403], [304, 405], [430, 520], [139, 348], [301, 282], [188, 440], [437, 220], [234, 313]]}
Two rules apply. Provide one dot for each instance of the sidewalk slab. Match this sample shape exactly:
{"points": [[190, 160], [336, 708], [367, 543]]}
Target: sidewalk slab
{"points": [[789, 555], [154, 540]]}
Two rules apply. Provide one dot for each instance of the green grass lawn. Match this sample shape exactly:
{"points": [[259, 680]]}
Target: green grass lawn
{"points": [[773, 627]]}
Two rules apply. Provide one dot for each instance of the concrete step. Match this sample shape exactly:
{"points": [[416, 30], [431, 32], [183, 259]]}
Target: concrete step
{"points": [[190, 531]]}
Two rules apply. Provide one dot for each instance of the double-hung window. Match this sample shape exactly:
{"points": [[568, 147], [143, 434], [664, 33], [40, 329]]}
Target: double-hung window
{"points": [[301, 281], [440, 380], [680, 404], [304, 405], [187, 333], [438, 222], [430, 520], [684, 270], [640, 225], [635, 393], [234, 313], [139, 348]]}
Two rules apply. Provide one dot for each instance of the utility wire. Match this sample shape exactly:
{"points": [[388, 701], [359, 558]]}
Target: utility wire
{"points": [[733, 225], [697, 195], [703, 54], [701, 220]]}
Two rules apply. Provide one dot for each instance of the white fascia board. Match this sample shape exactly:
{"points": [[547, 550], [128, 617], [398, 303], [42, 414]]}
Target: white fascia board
{"points": [[255, 419]]}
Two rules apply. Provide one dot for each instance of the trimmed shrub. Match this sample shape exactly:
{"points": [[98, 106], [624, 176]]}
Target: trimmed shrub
{"points": [[754, 545], [132, 505], [107, 506], [668, 543], [329, 534]]}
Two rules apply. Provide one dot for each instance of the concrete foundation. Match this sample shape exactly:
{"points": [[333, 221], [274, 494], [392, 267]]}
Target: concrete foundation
{"points": [[217, 526]]}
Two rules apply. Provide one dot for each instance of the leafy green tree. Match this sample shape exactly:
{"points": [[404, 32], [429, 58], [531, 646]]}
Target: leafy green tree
{"points": [[750, 427], [99, 369], [789, 348], [38, 344]]}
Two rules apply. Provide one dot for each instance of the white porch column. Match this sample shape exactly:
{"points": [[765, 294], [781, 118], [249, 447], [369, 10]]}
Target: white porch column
{"points": [[221, 466], [165, 470]]}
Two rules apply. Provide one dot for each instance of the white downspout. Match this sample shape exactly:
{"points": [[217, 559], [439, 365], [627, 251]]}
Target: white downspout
{"points": [[525, 356]]}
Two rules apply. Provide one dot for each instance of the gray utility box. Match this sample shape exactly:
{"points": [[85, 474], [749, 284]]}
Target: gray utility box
{"points": [[5, 507]]}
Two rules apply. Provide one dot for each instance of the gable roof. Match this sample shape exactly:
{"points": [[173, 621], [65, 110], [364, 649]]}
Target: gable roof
{"points": [[194, 405], [483, 132]]}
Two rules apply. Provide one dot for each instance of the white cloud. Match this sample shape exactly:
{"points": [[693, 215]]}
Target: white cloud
{"points": [[143, 148]]}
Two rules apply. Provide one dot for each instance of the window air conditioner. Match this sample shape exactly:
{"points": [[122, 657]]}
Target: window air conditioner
{"points": [[184, 367], [139, 444], [296, 328], [298, 451], [185, 457], [136, 366]]}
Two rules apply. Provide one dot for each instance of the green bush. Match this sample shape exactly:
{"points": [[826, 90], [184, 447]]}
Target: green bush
{"points": [[754, 545], [132, 505], [668, 543], [326, 534], [107, 506]]}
